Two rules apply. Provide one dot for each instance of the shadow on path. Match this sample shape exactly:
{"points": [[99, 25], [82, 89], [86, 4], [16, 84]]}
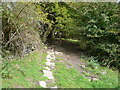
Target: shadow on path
{"points": [[70, 54]]}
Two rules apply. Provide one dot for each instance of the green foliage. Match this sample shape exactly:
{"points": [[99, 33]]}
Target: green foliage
{"points": [[101, 29], [96, 25], [19, 27]]}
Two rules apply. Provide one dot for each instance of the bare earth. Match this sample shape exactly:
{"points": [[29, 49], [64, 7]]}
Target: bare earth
{"points": [[70, 55]]}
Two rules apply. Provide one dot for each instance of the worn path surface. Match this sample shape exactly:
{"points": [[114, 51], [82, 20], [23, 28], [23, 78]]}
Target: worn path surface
{"points": [[70, 54]]}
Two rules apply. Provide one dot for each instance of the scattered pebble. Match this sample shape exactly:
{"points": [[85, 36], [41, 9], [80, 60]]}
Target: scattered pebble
{"points": [[95, 79], [42, 84], [54, 87], [47, 68], [50, 64], [48, 74], [83, 65], [48, 56], [53, 64], [103, 71], [48, 59], [58, 52]]}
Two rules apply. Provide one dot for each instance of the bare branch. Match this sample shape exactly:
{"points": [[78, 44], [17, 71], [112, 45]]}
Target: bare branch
{"points": [[22, 10]]}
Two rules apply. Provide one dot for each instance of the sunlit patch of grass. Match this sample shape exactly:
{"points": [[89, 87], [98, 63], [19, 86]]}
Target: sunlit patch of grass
{"points": [[71, 78], [24, 72], [68, 78], [107, 76]]}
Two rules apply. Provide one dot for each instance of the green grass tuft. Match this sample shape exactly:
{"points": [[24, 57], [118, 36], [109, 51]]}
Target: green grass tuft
{"points": [[25, 72], [71, 78]]}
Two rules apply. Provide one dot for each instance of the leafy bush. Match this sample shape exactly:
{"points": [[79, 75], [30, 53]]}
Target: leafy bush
{"points": [[97, 26], [101, 29], [19, 28]]}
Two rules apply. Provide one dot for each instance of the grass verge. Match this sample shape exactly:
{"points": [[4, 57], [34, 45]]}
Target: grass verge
{"points": [[24, 72], [71, 78]]}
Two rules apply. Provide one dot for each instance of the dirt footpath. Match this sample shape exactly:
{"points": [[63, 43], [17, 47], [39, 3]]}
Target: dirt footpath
{"points": [[70, 55]]}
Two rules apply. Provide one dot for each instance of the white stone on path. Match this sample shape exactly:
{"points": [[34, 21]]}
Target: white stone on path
{"points": [[48, 59], [50, 64], [47, 68], [42, 84], [83, 65], [53, 57], [58, 52], [47, 71], [54, 87], [48, 74], [53, 64], [48, 56], [95, 79], [50, 52]]}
